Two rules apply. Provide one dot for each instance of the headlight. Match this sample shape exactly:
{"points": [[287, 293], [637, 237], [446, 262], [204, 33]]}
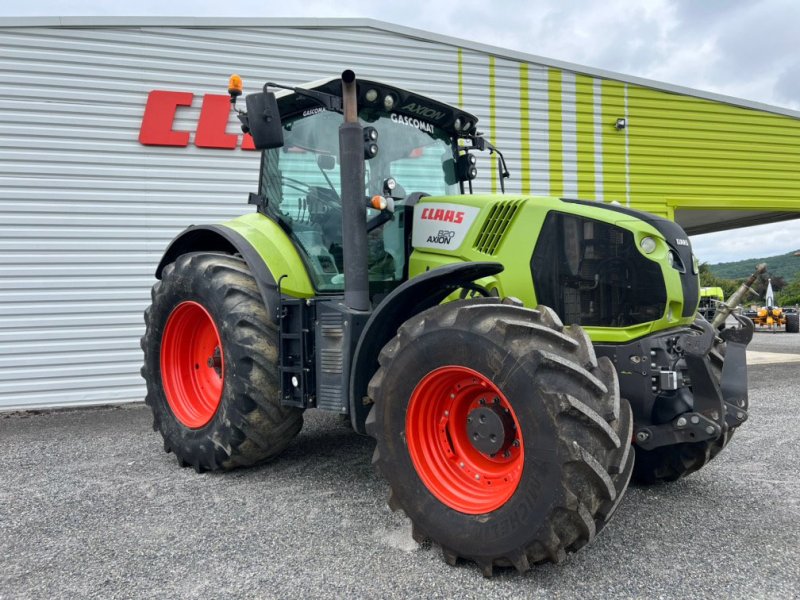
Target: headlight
{"points": [[695, 265], [671, 258], [648, 244]]}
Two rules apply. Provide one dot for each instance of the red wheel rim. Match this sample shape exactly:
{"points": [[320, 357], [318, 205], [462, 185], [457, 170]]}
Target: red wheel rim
{"points": [[192, 368], [441, 433]]}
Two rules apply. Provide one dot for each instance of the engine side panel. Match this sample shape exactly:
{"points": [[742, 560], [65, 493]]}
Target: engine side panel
{"points": [[507, 229]]}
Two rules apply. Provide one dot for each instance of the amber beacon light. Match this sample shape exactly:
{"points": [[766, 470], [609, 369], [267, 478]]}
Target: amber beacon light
{"points": [[235, 86]]}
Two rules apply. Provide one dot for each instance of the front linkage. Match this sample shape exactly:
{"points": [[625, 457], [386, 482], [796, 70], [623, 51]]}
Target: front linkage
{"points": [[686, 386]]}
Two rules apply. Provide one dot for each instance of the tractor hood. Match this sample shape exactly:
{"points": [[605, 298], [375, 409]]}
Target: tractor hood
{"points": [[679, 243]]}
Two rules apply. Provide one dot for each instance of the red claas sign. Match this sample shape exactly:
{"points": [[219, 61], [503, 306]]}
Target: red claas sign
{"points": [[159, 116]]}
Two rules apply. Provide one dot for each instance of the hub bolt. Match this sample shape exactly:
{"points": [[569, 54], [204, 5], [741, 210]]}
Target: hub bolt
{"points": [[740, 415], [680, 422], [695, 420], [515, 443], [642, 436], [710, 430]]}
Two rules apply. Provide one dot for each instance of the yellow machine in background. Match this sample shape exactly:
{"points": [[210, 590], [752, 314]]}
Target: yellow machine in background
{"points": [[769, 316], [774, 317]]}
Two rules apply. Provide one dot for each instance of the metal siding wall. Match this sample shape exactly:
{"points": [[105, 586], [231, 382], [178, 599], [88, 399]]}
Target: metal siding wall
{"points": [[475, 78], [86, 211], [695, 153]]}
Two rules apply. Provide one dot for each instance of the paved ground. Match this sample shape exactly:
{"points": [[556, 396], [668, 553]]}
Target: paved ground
{"points": [[91, 507]]}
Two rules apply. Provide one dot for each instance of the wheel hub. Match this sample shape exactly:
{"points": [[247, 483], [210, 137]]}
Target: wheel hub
{"points": [[215, 362], [192, 364], [464, 439], [490, 428]]}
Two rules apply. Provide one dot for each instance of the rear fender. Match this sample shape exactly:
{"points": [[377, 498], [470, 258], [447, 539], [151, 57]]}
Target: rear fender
{"points": [[410, 298], [218, 238]]}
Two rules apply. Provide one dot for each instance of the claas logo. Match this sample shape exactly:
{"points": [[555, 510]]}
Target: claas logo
{"points": [[211, 132], [439, 214]]}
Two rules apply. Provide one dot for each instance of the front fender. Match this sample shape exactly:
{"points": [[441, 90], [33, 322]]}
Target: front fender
{"points": [[407, 300]]}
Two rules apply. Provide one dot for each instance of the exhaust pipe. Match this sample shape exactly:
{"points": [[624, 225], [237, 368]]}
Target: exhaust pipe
{"points": [[354, 210]]}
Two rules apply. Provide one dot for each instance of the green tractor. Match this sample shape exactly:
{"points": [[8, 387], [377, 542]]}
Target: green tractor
{"points": [[371, 282], [710, 298]]}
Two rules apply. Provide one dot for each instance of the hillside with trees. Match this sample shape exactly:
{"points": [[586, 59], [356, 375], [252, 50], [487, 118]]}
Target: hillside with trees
{"points": [[783, 270], [784, 265]]}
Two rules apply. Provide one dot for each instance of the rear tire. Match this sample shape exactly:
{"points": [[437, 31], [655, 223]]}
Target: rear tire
{"points": [[223, 411], [793, 323], [556, 400]]}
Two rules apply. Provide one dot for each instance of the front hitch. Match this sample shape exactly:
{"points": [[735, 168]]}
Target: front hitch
{"points": [[734, 370], [718, 405]]}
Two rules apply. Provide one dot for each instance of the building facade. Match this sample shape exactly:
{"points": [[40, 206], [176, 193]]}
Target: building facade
{"points": [[92, 188]]}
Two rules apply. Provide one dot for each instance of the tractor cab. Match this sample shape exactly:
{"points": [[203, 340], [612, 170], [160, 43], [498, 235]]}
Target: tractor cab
{"points": [[411, 149]]}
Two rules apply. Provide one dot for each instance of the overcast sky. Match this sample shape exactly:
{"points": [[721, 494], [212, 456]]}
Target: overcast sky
{"points": [[743, 48]]}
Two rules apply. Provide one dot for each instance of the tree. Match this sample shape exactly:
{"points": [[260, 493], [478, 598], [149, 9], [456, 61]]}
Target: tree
{"points": [[708, 279], [790, 294]]}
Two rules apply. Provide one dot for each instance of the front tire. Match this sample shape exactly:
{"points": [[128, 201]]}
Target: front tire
{"points": [[211, 353], [560, 460]]}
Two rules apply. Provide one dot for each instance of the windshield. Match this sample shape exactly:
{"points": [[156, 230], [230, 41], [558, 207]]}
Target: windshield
{"points": [[301, 181]]}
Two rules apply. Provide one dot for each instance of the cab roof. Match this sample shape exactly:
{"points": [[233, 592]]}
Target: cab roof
{"points": [[451, 119]]}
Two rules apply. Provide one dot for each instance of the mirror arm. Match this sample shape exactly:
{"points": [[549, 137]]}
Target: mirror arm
{"points": [[327, 101]]}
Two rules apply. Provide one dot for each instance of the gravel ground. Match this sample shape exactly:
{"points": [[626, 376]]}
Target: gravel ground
{"points": [[765, 340], [91, 507]]}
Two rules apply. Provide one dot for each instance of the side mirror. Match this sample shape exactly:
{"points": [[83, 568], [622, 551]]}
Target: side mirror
{"points": [[264, 120], [449, 168], [326, 162]]}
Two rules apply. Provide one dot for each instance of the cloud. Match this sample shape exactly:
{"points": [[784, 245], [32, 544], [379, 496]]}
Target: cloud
{"points": [[753, 242], [787, 86], [737, 47]]}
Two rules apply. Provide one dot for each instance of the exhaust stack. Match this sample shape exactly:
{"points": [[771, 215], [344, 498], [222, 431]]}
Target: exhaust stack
{"points": [[354, 211]]}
